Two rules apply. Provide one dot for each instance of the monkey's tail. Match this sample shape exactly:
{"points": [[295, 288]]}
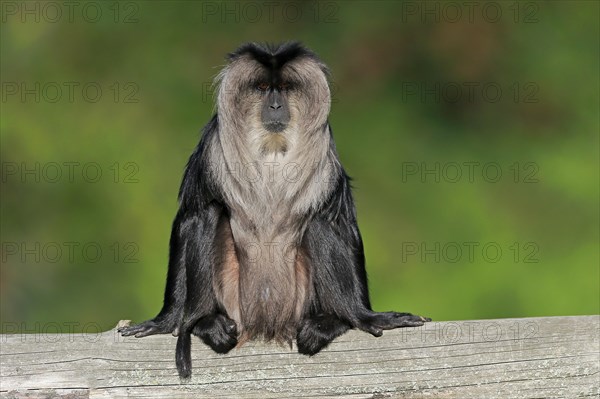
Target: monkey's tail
{"points": [[183, 354]]}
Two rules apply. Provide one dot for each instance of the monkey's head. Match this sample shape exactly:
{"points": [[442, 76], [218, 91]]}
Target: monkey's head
{"points": [[273, 92]]}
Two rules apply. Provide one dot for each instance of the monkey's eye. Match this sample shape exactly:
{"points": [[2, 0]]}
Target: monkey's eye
{"points": [[262, 86], [284, 86]]}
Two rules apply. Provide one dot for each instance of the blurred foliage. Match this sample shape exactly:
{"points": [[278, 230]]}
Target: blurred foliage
{"points": [[394, 111]]}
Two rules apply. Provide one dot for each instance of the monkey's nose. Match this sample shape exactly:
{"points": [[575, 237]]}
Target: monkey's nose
{"points": [[275, 106]]}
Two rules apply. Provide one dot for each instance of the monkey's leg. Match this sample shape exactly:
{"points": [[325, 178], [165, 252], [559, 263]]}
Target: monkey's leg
{"points": [[169, 318], [340, 285], [316, 332], [336, 292], [202, 313]]}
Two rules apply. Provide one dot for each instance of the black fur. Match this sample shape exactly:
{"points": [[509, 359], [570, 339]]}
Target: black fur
{"points": [[338, 295], [274, 57]]}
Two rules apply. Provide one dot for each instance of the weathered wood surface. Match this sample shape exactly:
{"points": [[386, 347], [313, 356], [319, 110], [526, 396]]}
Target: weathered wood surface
{"points": [[506, 358]]}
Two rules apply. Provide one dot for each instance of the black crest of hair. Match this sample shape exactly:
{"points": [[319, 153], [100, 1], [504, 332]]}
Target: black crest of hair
{"points": [[326, 286], [275, 56]]}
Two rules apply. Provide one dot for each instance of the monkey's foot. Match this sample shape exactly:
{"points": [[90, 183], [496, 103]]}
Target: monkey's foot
{"points": [[217, 331], [149, 327], [375, 323], [317, 332]]}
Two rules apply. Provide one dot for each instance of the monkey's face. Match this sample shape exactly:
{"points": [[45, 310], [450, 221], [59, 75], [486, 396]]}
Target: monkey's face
{"points": [[273, 93], [275, 109]]}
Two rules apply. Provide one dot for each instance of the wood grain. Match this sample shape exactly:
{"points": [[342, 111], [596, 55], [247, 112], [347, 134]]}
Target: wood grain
{"points": [[551, 357]]}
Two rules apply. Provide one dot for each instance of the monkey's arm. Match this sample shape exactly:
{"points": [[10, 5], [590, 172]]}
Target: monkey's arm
{"points": [[191, 236], [169, 318], [340, 298]]}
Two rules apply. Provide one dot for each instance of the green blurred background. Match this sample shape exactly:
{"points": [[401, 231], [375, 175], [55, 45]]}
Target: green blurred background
{"points": [[417, 91]]}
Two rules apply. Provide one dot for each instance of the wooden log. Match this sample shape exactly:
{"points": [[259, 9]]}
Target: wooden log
{"points": [[546, 357]]}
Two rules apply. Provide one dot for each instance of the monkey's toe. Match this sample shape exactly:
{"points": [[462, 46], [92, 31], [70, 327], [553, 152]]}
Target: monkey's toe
{"points": [[397, 320], [149, 327], [376, 322]]}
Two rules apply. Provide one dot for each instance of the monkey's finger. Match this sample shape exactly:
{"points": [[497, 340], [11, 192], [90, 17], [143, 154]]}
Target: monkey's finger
{"points": [[421, 318], [391, 320], [410, 315], [406, 320], [148, 331], [139, 330], [131, 330]]}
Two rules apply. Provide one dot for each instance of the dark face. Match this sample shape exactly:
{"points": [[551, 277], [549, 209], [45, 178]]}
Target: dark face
{"points": [[274, 89], [275, 114]]}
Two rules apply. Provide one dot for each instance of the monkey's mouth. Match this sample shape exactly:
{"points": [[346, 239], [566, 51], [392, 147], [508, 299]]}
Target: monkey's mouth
{"points": [[274, 126]]}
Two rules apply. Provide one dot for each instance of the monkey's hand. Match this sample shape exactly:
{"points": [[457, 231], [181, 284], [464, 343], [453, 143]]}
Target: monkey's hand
{"points": [[150, 327], [374, 323]]}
